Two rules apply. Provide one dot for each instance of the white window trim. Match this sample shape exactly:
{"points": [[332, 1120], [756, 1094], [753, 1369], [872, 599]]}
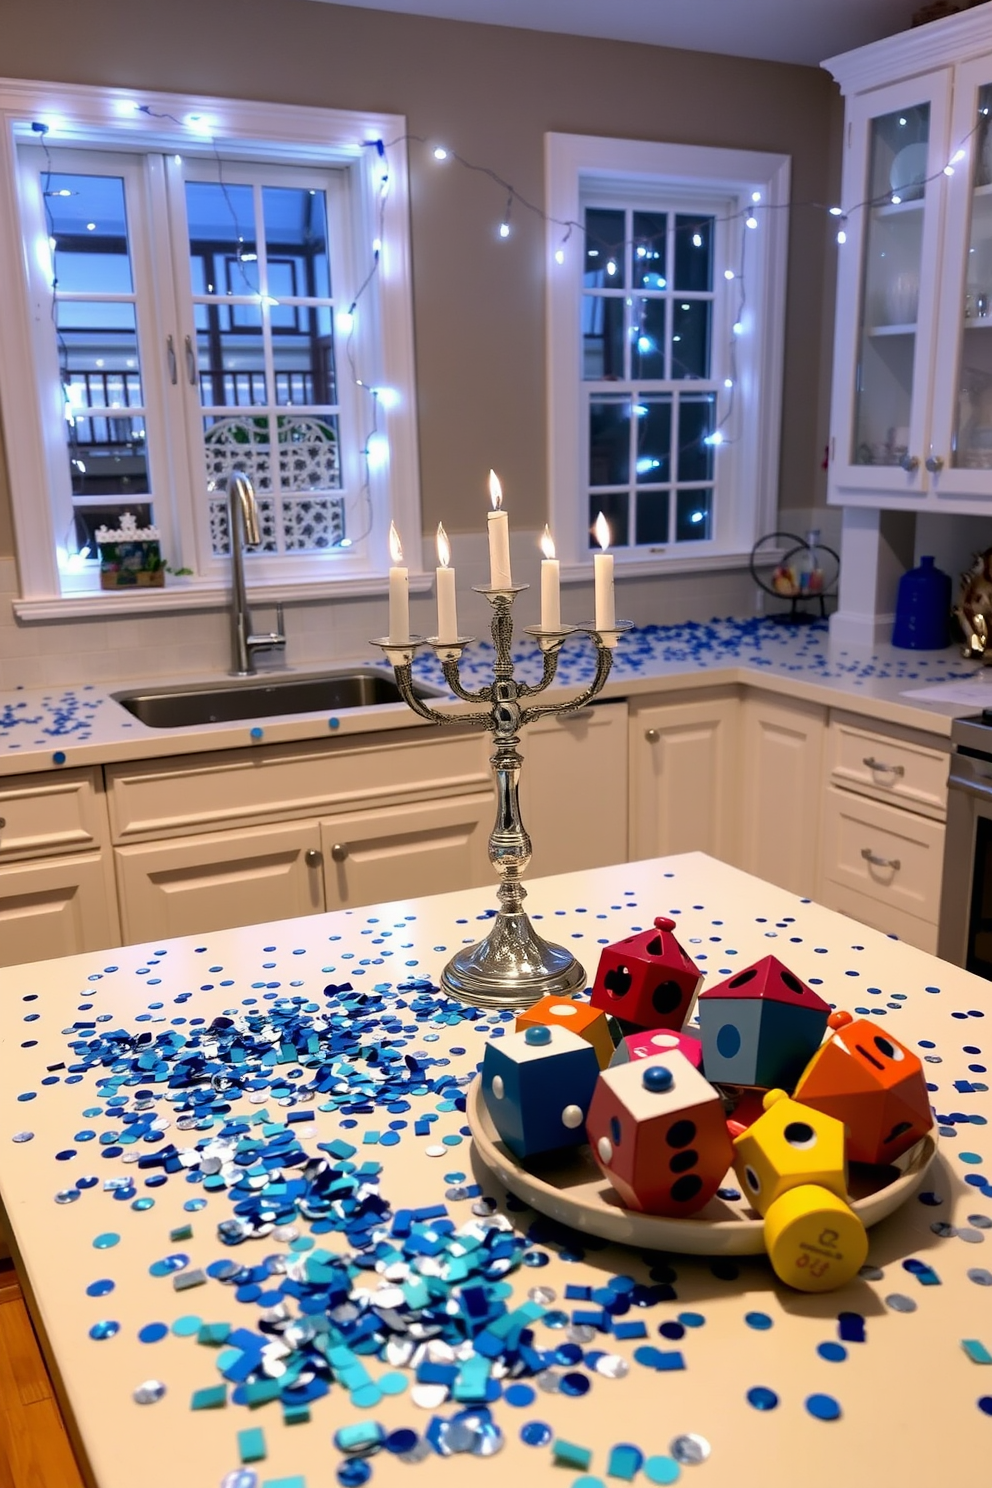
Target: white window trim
{"points": [[572, 160], [110, 118]]}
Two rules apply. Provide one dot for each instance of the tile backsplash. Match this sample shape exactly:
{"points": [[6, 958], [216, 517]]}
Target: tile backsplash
{"points": [[325, 632]]}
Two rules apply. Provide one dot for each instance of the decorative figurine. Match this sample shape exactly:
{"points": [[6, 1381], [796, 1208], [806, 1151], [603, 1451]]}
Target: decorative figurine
{"points": [[647, 980], [656, 1129], [872, 1083], [791, 1165], [658, 1041], [537, 1086], [974, 609], [578, 1017], [761, 1027]]}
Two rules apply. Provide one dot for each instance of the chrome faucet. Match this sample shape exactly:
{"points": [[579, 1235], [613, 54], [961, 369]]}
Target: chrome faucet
{"points": [[242, 513]]}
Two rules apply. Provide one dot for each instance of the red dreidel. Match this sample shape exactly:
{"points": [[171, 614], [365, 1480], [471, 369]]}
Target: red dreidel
{"points": [[647, 980]]}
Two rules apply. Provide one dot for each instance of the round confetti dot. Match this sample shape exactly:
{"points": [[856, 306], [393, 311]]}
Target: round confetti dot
{"points": [[823, 1407], [400, 1441], [575, 1384], [393, 1383], [185, 1327], [354, 1472], [153, 1332], [366, 1397], [106, 1241], [149, 1392], [761, 1398], [899, 1302], [980, 1276], [23, 1136], [519, 1395], [985, 1404], [760, 1321], [834, 1353], [689, 1449], [105, 1329], [535, 1433], [692, 1320], [100, 1288], [588, 1481], [662, 1470]]}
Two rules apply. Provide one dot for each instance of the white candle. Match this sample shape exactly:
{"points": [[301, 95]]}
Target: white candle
{"points": [[499, 538], [399, 591], [606, 614], [550, 584], [447, 614]]}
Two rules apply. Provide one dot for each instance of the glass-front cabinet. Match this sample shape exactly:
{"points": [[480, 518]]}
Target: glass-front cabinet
{"points": [[911, 412]]}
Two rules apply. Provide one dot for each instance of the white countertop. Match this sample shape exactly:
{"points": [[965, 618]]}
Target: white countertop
{"points": [[908, 1394], [59, 727]]}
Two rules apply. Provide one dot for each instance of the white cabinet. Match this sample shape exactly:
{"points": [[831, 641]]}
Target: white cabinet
{"points": [[782, 755], [573, 789], [911, 423], [404, 851], [684, 775]]}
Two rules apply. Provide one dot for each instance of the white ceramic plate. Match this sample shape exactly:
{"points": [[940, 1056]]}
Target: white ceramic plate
{"points": [[908, 171], [569, 1187]]}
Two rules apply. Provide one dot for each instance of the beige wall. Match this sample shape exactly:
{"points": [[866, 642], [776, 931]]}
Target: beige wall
{"points": [[491, 93]]}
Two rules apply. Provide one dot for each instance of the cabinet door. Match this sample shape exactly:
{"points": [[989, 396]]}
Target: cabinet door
{"points": [[219, 880], [684, 778], [56, 907], [888, 272], [400, 852], [573, 789], [962, 395], [782, 790]]}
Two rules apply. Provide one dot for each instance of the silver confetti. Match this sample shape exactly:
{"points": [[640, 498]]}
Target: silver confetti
{"points": [[460, 1437], [980, 1276], [549, 1380], [943, 1229], [416, 1454], [612, 1366], [980, 1221], [149, 1392], [488, 1440], [24, 1136], [899, 1302], [580, 1333], [429, 1397], [871, 1273], [689, 1449], [241, 1477], [542, 1295], [971, 1236], [67, 1196]]}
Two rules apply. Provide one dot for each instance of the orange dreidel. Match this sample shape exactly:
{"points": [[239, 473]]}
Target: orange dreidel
{"points": [[791, 1165], [561, 1012], [872, 1083]]}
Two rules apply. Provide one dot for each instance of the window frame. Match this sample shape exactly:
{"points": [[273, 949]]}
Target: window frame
{"points": [[582, 170], [123, 121]]}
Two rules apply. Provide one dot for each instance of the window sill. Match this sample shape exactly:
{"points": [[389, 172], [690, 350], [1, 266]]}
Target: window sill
{"points": [[108, 604], [659, 565]]}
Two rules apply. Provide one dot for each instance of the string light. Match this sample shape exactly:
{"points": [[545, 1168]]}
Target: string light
{"points": [[504, 227]]}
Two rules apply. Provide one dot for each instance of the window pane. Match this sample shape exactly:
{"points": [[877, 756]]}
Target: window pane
{"points": [[309, 454], [604, 249], [691, 338], [230, 354], [695, 460], [694, 253], [303, 357], [654, 440], [98, 359], [609, 442], [615, 508], [222, 243], [602, 337], [88, 220], [647, 348], [649, 249], [296, 241], [693, 516], [238, 444], [89, 518], [652, 516]]}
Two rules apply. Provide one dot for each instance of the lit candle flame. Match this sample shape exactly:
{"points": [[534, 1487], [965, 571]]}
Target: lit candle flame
{"points": [[443, 546], [602, 531], [395, 546], [495, 491], [547, 543]]}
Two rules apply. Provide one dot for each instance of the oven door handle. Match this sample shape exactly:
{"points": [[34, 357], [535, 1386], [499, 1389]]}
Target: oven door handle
{"points": [[972, 785]]}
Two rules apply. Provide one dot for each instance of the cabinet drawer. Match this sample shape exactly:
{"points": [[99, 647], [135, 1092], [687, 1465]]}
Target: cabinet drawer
{"points": [[892, 856], [884, 917], [56, 907], [892, 767], [172, 797], [46, 814]]}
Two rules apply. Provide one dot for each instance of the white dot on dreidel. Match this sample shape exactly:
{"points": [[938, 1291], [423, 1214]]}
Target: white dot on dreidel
{"points": [[605, 1149], [571, 1117], [499, 1089], [565, 1011]]}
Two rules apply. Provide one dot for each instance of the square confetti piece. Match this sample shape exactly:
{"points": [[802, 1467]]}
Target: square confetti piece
{"points": [[976, 1351], [183, 1232], [669, 1359], [297, 1481], [213, 1333], [570, 1455], [624, 1463], [183, 1280], [251, 1444], [209, 1398]]}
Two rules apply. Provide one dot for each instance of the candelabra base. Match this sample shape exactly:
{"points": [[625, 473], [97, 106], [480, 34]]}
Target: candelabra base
{"points": [[512, 968]]}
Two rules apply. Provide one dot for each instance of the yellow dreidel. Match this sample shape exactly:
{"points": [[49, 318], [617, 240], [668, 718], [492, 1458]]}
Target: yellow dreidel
{"points": [[792, 1167]]}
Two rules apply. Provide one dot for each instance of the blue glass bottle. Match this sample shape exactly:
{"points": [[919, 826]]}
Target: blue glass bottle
{"points": [[923, 609]]}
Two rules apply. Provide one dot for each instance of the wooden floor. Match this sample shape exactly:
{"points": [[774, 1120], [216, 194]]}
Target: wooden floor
{"points": [[34, 1449]]}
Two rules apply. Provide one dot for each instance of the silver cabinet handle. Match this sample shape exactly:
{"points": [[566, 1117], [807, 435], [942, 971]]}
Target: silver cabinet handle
{"points": [[313, 858], [910, 463], [190, 361], [3, 822], [170, 357], [934, 464], [339, 851], [877, 862], [652, 735], [874, 764]]}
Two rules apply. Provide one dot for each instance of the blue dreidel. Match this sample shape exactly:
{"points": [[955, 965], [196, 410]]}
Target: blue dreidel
{"points": [[537, 1086]]}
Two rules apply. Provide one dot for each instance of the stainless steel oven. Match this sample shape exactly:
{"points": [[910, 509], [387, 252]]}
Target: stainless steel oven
{"points": [[965, 931]]}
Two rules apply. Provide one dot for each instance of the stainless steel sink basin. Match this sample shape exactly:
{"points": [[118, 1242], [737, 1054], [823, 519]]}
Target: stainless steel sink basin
{"points": [[268, 697]]}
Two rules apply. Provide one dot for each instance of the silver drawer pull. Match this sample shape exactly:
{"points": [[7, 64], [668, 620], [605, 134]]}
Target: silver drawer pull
{"points": [[652, 735], [3, 822], [877, 862], [339, 851], [874, 764], [313, 858]]}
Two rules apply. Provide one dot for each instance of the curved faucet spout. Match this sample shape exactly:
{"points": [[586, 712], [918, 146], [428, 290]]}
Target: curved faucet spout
{"points": [[242, 515]]}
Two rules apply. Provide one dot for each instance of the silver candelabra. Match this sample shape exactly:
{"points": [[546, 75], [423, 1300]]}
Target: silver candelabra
{"points": [[513, 966]]}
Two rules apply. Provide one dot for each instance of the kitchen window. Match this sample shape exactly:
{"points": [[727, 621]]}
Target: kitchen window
{"points": [[199, 287], [666, 301]]}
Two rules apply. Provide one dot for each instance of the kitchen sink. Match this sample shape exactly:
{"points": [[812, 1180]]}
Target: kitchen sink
{"points": [[183, 707]]}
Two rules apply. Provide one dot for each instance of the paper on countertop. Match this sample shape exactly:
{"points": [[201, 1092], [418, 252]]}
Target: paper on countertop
{"points": [[974, 692]]}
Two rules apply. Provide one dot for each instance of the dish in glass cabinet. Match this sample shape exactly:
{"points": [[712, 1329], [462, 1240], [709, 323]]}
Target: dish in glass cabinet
{"points": [[908, 172], [568, 1186]]}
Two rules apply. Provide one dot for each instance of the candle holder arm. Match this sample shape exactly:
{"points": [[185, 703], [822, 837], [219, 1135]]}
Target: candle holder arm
{"points": [[531, 689], [404, 681], [451, 676], [604, 662]]}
